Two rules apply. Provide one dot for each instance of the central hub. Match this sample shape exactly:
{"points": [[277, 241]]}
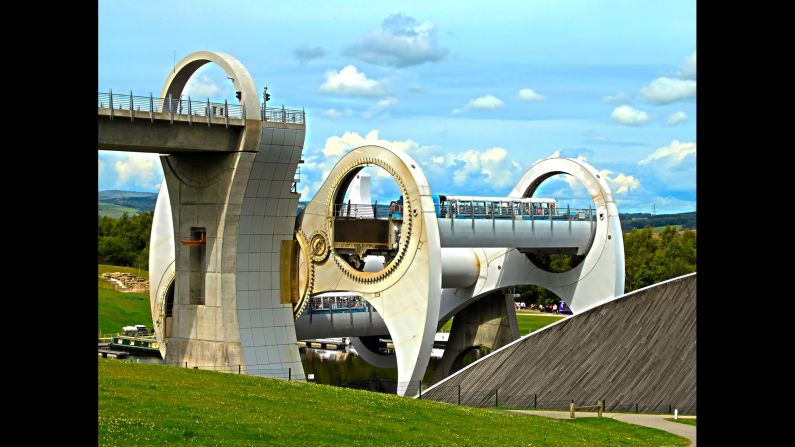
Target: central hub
{"points": [[367, 239]]}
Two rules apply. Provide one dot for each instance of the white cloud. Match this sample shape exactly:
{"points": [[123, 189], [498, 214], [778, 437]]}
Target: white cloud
{"points": [[386, 102], [487, 102], [688, 70], [319, 162], [527, 94], [305, 53], [620, 184], [671, 155], [203, 87], [555, 154], [629, 116], [667, 90], [620, 98], [676, 117], [401, 42], [337, 145], [349, 81], [332, 113], [129, 170], [493, 165], [380, 105]]}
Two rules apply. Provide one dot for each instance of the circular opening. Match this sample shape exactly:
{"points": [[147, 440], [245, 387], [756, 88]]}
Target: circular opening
{"points": [[368, 219], [568, 200], [210, 81], [534, 298]]}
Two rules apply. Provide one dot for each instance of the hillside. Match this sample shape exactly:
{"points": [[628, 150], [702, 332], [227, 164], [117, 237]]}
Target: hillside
{"points": [[630, 221], [115, 211], [142, 404], [114, 203]]}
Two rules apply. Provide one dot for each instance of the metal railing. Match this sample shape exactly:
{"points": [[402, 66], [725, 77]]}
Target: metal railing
{"points": [[282, 115], [456, 394], [349, 303], [187, 106], [367, 211], [464, 210]]}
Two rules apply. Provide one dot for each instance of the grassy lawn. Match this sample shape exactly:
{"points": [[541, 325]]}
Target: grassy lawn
{"points": [[141, 404], [687, 421], [116, 309], [531, 323], [527, 323]]}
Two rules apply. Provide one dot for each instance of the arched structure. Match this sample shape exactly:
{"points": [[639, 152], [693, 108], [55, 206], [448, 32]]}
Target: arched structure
{"points": [[409, 311], [599, 278], [241, 79], [232, 266], [218, 225]]}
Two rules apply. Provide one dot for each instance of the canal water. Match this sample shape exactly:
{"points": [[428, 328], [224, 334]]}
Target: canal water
{"points": [[338, 368]]}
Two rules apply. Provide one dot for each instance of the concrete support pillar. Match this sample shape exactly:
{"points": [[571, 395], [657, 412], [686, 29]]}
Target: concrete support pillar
{"points": [[206, 195], [489, 322]]}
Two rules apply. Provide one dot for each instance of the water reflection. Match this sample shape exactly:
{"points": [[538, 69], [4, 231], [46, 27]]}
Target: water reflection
{"points": [[345, 368], [338, 368]]}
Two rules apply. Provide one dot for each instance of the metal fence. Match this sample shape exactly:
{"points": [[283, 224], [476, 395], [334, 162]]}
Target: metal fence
{"points": [[457, 394], [274, 373], [464, 210], [187, 106]]}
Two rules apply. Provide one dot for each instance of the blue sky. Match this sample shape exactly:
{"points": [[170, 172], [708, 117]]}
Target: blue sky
{"points": [[475, 93]]}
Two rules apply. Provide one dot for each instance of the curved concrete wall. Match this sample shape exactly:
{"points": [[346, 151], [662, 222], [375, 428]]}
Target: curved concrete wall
{"points": [[638, 348], [267, 328]]}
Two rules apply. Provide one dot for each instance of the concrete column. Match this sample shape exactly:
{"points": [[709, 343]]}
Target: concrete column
{"points": [[489, 322]]}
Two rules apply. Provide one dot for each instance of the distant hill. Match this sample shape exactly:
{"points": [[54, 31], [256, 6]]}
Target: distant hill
{"points": [[113, 203], [630, 221], [115, 211]]}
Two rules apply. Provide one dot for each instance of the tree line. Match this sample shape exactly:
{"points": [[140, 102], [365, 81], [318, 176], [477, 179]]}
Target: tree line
{"points": [[648, 259], [124, 241]]}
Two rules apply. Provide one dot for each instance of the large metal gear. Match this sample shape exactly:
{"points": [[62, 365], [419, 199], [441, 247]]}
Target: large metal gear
{"points": [[319, 246], [410, 213], [306, 290]]}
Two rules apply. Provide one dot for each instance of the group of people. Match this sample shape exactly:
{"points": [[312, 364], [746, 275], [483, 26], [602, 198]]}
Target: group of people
{"points": [[550, 308]]}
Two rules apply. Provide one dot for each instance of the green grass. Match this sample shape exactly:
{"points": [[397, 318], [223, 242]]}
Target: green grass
{"points": [[687, 421], [141, 404], [116, 309], [115, 211], [531, 323], [527, 323]]}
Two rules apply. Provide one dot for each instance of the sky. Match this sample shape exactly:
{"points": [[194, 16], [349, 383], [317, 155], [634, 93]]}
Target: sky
{"points": [[474, 93]]}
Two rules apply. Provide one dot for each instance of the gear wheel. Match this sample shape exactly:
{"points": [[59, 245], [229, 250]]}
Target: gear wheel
{"points": [[299, 307], [408, 222], [319, 246]]}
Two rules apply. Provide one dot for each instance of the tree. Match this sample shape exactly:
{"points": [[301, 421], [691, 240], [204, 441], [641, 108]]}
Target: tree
{"points": [[124, 241]]}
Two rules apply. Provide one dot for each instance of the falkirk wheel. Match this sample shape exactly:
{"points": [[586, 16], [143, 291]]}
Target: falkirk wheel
{"points": [[233, 269]]}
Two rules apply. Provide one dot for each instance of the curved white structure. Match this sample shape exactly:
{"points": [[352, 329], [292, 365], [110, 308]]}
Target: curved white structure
{"points": [[232, 267]]}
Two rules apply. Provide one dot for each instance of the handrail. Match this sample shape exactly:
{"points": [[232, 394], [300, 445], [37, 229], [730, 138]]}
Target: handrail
{"points": [[186, 106]]}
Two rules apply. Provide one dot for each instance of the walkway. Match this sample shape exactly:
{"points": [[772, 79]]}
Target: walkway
{"points": [[647, 420]]}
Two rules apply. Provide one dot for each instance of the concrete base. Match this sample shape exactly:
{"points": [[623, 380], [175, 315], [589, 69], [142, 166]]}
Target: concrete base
{"points": [[489, 322]]}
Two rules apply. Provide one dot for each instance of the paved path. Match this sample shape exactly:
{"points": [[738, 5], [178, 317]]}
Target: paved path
{"points": [[647, 420]]}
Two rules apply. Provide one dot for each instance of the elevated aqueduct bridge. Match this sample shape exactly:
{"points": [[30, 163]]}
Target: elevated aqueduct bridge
{"points": [[232, 267]]}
